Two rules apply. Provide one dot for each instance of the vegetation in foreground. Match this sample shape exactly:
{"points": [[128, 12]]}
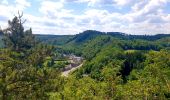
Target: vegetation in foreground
{"points": [[117, 67]]}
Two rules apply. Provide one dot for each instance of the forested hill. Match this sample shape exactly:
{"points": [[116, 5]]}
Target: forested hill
{"points": [[91, 38], [54, 39], [91, 34], [114, 66], [144, 37]]}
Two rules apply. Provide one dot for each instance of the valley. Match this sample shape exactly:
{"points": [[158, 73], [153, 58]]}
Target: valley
{"points": [[91, 65]]}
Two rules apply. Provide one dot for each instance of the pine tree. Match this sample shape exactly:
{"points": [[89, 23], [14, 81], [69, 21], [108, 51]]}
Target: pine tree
{"points": [[15, 37], [1, 32]]}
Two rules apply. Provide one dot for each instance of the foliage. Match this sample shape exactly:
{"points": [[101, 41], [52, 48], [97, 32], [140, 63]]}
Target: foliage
{"points": [[15, 37], [116, 67]]}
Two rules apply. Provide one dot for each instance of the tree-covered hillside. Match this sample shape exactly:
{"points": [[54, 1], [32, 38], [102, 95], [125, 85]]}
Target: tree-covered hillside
{"points": [[54, 39], [115, 66], [93, 41]]}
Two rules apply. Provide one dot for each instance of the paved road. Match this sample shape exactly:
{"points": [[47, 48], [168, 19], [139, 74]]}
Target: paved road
{"points": [[66, 73]]}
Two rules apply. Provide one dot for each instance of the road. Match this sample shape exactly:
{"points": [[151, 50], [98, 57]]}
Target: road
{"points": [[66, 73]]}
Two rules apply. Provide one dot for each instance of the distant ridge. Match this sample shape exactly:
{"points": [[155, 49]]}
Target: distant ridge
{"points": [[90, 34], [144, 37]]}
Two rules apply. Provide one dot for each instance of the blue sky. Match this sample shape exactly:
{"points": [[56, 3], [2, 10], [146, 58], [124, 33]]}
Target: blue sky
{"points": [[74, 16]]}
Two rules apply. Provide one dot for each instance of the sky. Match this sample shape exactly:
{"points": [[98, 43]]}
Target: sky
{"points": [[63, 17]]}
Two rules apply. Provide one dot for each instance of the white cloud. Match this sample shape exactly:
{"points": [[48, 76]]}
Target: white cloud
{"points": [[23, 3], [5, 2], [146, 10], [144, 17], [124, 2], [9, 10], [104, 2], [50, 7]]}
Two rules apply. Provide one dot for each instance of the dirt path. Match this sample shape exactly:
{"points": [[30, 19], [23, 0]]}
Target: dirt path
{"points": [[66, 73]]}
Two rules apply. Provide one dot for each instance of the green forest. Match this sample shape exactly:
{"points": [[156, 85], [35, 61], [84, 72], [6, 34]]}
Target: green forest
{"points": [[115, 66]]}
